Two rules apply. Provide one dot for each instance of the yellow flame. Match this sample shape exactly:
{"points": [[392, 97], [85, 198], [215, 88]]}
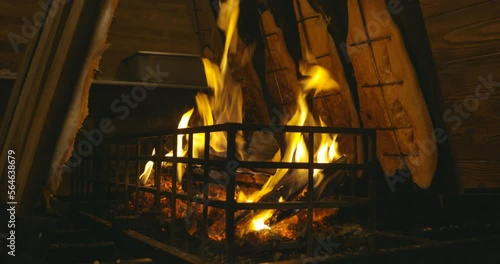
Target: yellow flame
{"points": [[241, 197], [148, 168], [320, 79], [180, 148], [259, 222], [226, 104], [227, 21]]}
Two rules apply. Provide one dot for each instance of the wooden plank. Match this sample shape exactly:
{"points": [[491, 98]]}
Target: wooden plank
{"points": [[5, 90], [78, 108], [26, 133], [479, 173], [11, 21], [461, 79], [11, 61], [432, 8], [477, 135], [37, 55], [142, 25], [18, 8], [468, 32], [149, 25]]}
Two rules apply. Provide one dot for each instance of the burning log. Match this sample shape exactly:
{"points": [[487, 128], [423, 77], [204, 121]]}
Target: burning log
{"points": [[292, 187], [243, 177], [331, 178], [335, 107], [389, 92]]}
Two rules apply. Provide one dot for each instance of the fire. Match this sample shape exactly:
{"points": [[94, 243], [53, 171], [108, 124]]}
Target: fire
{"points": [[225, 105], [148, 168], [180, 148], [320, 80], [258, 222]]}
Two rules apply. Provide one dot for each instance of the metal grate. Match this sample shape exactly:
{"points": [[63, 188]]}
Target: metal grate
{"points": [[124, 160]]}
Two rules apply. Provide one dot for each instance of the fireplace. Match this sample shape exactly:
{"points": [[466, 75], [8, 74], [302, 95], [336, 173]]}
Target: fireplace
{"points": [[301, 131]]}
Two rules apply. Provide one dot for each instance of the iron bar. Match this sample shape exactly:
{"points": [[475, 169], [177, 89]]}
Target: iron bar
{"points": [[310, 194], [117, 175], [252, 127], [138, 150], [127, 179], [190, 196], [230, 193], [206, 170], [173, 199], [159, 148]]}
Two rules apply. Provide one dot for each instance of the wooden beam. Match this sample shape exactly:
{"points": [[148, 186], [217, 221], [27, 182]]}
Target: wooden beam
{"points": [[431, 8], [466, 32], [78, 109], [43, 94], [482, 174], [25, 98], [469, 78]]}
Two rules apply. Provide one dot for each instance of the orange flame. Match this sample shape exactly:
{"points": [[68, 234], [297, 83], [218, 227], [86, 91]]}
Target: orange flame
{"points": [[226, 104], [320, 80]]}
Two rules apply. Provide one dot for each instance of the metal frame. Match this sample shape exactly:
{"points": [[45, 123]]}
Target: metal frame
{"points": [[230, 205]]}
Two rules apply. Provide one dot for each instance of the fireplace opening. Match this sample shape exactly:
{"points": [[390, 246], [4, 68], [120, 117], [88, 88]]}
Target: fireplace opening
{"points": [[251, 131]]}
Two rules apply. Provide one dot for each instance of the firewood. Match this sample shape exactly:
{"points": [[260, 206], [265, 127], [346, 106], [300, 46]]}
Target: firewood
{"points": [[292, 187], [331, 178], [78, 110], [389, 92]]}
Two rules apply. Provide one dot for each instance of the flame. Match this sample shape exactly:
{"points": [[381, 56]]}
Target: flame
{"points": [[148, 168], [320, 80], [180, 148], [258, 222], [226, 104], [227, 21]]}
